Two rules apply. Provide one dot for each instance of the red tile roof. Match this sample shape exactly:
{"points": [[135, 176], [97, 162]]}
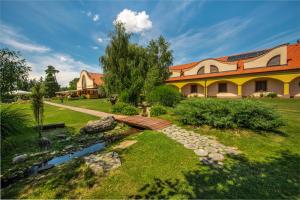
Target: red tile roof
{"points": [[293, 58], [97, 78], [184, 66]]}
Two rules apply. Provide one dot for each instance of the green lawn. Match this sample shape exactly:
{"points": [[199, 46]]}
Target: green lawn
{"points": [[158, 167], [95, 104]]}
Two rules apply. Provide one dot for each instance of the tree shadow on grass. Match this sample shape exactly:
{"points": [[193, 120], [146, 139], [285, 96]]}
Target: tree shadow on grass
{"points": [[276, 179]]}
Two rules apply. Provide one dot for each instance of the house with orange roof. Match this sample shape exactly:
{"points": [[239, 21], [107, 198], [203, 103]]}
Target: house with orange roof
{"points": [[257, 73], [89, 83]]}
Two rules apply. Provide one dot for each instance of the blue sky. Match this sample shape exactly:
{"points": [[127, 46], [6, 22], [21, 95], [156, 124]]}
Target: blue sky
{"points": [[72, 35]]}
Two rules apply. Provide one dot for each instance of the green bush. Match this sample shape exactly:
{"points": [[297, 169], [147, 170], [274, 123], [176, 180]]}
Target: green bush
{"points": [[165, 95], [272, 95], [228, 114], [125, 109], [82, 97], [157, 110]]}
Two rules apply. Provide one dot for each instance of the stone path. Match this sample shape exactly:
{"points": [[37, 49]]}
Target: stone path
{"points": [[209, 150], [84, 110]]}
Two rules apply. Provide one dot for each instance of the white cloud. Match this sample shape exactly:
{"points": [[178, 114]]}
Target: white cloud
{"points": [[96, 18], [99, 39], [95, 47], [38, 57], [68, 67], [89, 14], [14, 39], [134, 22]]}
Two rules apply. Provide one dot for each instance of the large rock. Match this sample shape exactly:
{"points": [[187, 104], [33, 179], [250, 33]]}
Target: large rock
{"points": [[105, 124], [103, 163], [19, 158]]}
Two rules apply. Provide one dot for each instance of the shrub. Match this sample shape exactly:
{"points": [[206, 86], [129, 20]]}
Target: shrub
{"points": [[125, 109], [82, 97], [165, 95], [228, 114], [271, 95], [256, 116], [157, 110]]}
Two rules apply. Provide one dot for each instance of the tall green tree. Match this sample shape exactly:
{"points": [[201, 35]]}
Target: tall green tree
{"points": [[130, 69], [38, 105], [114, 61], [51, 85], [73, 84], [13, 71], [159, 59]]}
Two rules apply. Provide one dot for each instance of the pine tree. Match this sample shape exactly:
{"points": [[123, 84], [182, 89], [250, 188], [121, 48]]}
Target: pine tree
{"points": [[51, 85]]}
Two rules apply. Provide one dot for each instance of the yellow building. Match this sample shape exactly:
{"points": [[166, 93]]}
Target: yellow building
{"points": [[248, 74]]}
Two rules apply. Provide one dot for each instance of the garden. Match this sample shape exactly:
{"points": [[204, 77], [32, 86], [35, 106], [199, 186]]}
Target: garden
{"points": [[52, 152], [267, 168]]}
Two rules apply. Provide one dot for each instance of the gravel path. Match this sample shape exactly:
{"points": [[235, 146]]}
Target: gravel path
{"points": [[209, 150], [86, 111]]}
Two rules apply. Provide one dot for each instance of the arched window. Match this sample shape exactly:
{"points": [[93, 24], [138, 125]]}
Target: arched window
{"points": [[274, 61], [83, 82], [214, 69], [201, 70]]}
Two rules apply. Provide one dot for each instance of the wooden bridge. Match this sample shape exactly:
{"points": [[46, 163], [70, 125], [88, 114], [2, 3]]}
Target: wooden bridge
{"points": [[144, 122]]}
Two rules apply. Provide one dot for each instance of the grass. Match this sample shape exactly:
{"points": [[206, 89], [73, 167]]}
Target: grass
{"points": [[158, 167]]}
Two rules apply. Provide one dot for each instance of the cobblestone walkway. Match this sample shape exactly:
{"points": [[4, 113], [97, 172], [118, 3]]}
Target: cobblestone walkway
{"points": [[209, 150]]}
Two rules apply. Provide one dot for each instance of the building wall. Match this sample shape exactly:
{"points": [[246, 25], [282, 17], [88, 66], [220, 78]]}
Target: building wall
{"points": [[273, 85], [283, 83], [295, 87], [207, 63], [186, 90], [212, 90], [262, 61], [89, 81]]}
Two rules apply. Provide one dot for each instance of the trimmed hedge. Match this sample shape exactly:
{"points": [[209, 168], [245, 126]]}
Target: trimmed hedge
{"points": [[125, 109], [228, 114], [157, 110], [165, 95]]}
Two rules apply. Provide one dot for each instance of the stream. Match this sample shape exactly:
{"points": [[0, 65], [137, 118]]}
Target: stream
{"points": [[65, 158], [35, 169]]}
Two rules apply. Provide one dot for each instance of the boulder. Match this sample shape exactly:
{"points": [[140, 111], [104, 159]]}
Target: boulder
{"points": [[19, 158], [105, 124]]}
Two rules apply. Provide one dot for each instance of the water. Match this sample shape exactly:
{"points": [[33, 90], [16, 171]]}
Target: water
{"points": [[88, 150], [65, 158]]}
